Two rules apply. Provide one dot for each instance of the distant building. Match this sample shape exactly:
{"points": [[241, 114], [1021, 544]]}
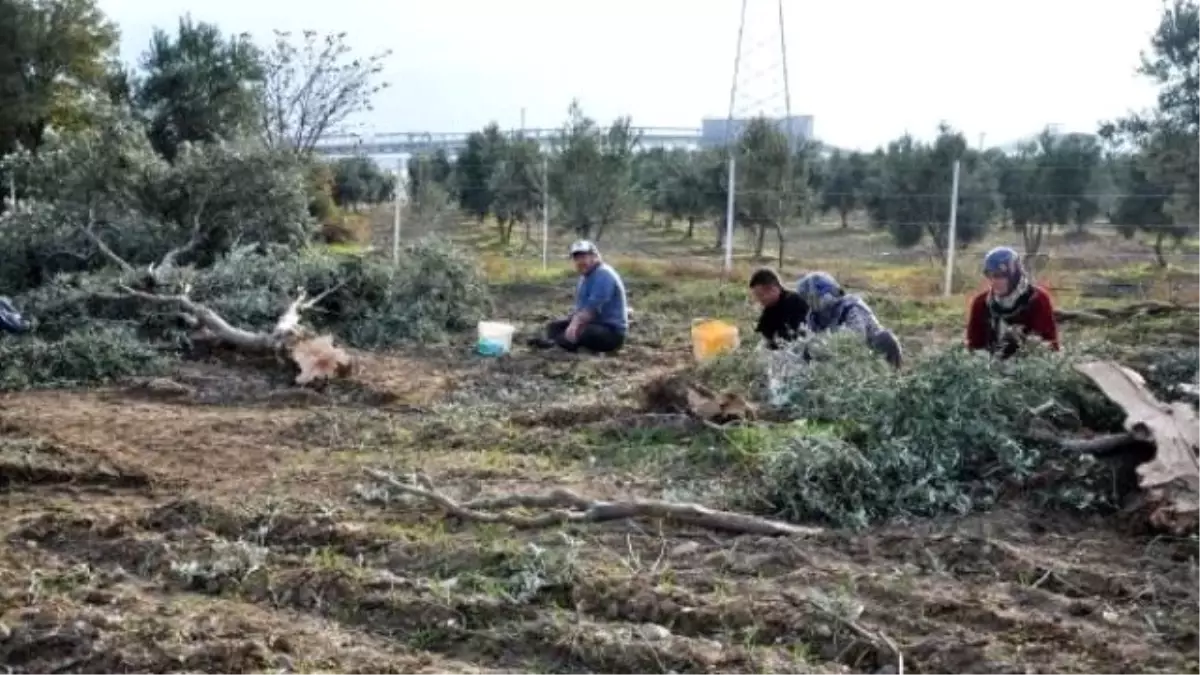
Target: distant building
{"points": [[715, 131]]}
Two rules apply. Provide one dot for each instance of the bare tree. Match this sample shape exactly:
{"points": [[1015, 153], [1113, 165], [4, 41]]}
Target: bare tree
{"points": [[312, 88]]}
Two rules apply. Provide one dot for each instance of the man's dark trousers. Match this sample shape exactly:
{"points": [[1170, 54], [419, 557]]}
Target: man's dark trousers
{"points": [[593, 337]]}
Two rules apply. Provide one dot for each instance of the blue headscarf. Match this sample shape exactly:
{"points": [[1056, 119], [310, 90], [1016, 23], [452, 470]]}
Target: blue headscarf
{"points": [[827, 302], [829, 307], [1006, 262]]}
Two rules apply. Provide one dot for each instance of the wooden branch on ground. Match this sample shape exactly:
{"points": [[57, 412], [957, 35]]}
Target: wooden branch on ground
{"points": [[289, 321], [1106, 314], [171, 258], [1171, 480], [1105, 445], [566, 506]]}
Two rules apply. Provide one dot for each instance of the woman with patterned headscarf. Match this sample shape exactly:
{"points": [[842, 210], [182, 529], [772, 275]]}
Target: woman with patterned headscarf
{"points": [[1012, 308], [830, 309]]}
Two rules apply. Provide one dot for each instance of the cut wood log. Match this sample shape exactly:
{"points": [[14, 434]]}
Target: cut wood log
{"points": [[1171, 479]]}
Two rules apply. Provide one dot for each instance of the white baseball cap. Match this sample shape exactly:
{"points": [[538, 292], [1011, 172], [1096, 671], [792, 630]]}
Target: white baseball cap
{"points": [[583, 246]]}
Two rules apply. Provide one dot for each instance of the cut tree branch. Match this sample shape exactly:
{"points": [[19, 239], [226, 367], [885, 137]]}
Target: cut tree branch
{"points": [[289, 321], [568, 507], [210, 320], [171, 258], [1107, 314], [89, 230], [316, 356]]}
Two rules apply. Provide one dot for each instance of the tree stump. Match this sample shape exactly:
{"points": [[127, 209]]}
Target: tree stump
{"points": [[1170, 480]]}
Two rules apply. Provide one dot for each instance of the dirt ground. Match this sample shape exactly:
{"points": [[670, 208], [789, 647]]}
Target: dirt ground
{"points": [[219, 521]]}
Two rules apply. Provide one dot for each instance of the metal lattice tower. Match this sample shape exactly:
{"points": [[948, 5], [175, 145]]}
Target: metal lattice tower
{"points": [[760, 87]]}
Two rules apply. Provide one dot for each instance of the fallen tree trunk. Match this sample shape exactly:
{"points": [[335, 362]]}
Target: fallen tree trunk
{"points": [[316, 357], [1170, 480]]}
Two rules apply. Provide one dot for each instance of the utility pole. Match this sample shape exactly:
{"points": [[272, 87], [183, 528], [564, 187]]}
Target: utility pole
{"points": [[789, 168], [545, 212], [952, 235], [396, 205], [731, 199]]}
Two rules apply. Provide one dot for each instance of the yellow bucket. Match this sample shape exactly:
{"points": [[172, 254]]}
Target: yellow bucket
{"points": [[712, 337]]}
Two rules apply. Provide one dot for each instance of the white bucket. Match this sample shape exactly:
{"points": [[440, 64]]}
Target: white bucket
{"points": [[495, 338]]}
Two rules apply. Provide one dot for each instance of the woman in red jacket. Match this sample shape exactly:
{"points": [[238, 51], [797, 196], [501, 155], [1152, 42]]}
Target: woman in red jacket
{"points": [[1013, 308]]}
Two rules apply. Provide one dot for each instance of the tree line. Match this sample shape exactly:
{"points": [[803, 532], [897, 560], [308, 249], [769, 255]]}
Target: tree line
{"points": [[1138, 173], [595, 176], [198, 87], [60, 74]]}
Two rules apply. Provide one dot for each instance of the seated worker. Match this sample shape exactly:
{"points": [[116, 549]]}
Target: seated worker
{"points": [[830, 309], [1002, 317], [784, 312], [600, 319]]}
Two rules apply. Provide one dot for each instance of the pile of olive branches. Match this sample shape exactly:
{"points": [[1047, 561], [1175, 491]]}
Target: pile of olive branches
{"points": [[948, 434]]}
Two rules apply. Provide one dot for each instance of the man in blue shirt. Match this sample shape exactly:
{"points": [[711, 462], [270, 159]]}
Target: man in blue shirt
{"points": [[600, 319]]}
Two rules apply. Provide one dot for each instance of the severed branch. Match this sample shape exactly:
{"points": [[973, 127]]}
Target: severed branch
{"points": [[89, 230], [287, 326], [1104, 445], [209, 319], [566, 506], [289, 321], [316, 357], [1107, 314], [171, 258]]}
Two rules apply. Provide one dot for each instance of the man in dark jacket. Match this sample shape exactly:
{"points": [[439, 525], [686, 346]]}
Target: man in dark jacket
{"points": [[784, 312]]}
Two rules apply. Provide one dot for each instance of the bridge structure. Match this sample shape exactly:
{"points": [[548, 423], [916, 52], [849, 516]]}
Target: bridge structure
{"points": [[420, 142], [394, 146]]}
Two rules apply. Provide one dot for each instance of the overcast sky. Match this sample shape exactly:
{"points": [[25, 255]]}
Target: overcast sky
{"points": [[867, 69]]}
